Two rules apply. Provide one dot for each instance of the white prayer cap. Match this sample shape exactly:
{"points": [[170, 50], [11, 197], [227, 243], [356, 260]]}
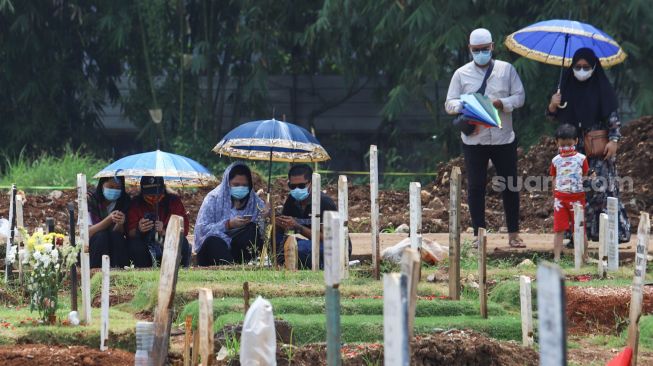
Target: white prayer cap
{"points": [[480, 36]]}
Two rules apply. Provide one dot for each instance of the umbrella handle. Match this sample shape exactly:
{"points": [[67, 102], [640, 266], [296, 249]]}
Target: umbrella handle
{"points": [[564, 105]]}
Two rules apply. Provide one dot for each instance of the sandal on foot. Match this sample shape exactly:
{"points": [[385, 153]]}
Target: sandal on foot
{"points": [[516, 243]]}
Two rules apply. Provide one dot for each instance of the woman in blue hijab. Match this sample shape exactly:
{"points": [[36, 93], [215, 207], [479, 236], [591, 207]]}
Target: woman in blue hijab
{"points": [[230, 223]]}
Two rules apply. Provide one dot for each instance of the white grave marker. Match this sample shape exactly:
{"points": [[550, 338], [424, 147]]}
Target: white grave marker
{"points": [[551, 315], [613, 234], [395, 320], [374, 208], [603, 238], [315, 222], [343, 208], [104, 326], [579, 235], [525, 299], [332, 273], [82, 229], [415, 191], [637, 296]]}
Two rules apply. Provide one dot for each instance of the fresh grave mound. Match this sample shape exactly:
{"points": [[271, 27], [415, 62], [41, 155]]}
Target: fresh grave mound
{"points": [[451, 348], [602, 309], [39, 354]]}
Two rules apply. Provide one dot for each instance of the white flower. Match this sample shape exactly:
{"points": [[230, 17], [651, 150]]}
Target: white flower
{"points": [[55, 255], [47, 247], [11, 255]]}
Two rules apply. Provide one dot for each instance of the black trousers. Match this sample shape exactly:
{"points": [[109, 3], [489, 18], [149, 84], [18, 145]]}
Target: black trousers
{"points": [[245, 245], [504, 158], [139, 254], [111, 243]]}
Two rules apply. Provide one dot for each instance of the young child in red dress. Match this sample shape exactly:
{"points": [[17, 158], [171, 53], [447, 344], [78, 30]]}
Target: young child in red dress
{"points": [[567, 169]]}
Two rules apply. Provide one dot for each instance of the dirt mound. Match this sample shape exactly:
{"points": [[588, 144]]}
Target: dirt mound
{"points": [[453, 348], [38, 354], [603, 310]]}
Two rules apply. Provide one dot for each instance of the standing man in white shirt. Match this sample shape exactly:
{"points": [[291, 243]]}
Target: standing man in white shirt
{"points": [[506, 91]]}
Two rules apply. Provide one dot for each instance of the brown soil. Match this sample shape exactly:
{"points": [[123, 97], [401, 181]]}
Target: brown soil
{"points": [[115, 297], [536, 207], [605, 310], [452, 348], [38, 354]]}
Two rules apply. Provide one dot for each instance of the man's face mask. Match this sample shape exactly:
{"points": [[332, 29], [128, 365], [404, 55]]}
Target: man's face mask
{"points": [[153, 199], [482, 56]]}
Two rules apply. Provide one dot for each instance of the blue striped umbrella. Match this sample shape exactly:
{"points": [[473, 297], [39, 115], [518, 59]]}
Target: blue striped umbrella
{"points": [[555, 41], [176, 170]]}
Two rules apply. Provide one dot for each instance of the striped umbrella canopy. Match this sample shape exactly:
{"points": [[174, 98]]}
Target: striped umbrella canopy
{"points": [[176, 170]]}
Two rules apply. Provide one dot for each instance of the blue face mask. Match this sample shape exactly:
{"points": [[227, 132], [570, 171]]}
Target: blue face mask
{"points": [[482, 57], [239, 192], [111, 194], [299, 194]]}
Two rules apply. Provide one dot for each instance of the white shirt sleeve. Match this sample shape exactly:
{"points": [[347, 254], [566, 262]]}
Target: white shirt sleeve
{"points": [[517, 94], [453, 104]]}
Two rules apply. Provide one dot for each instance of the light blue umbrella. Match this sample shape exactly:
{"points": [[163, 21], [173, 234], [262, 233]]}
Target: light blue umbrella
{"points": [[176, 170], [554, 42]]}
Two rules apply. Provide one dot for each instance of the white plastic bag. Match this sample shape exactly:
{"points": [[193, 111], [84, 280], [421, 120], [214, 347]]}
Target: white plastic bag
{"points": [[258, 341], [431, 252]]}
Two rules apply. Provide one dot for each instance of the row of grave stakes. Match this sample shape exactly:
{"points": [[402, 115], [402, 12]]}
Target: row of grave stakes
{"points": [[400, 289]]}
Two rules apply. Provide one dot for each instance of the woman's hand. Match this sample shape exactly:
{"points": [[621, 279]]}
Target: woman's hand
{"points": [[238, 221], [556, 99], [610, 150], [117, 217], [159, 227], [145, 225]]}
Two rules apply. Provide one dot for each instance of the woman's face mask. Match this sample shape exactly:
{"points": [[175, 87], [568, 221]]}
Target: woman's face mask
{"points": [[239, 192], [111, 194], [583, 73]]}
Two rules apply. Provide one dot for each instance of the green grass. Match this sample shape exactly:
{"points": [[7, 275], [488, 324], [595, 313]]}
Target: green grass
{"points": [[48, 170]]}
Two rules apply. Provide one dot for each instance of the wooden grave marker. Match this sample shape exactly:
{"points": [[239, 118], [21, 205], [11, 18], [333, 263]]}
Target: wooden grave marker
{"points": [[73, 267], [315, 221], [332, 278], [343, 208], [454, 233], [551, 315], [613, 234], [579, 235], [167, 287], [82, 229], [415, 191], [374, 207], [482, 273], [104, 305], [637, 296], [410, 266], [206, 326], [188, 339], [395, 320], [525, 300], [603, 239]]}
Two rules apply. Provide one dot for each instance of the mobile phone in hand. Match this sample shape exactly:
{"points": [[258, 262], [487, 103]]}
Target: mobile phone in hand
{"points": [[247, 217]]}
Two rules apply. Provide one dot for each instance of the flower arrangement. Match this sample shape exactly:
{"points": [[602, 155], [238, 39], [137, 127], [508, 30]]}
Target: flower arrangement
{"points": [[49, 259]]}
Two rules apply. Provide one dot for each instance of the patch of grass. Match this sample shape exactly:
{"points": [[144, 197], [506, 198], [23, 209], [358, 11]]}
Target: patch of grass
{"points": [[48, 170], [369, 328], [507, 294]]}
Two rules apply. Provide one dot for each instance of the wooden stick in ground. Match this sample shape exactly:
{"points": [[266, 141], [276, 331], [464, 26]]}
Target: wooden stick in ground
{"points": [[603, 238], [73, 268], [49, 225], [454, 234], [274, 234], [374, 217], [12, 234], [579, 236], [195, 356], [525, 299], [290, 253], [316, 192], [332, 277], [410, 263], [246, 296], [482, 274], [104, 325], [643, 231], [82, 228], [188, 339], [206, 327], [613, 234], [551, 312], [395, 320], [167, 286], [415, 191], [343, 208]]}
